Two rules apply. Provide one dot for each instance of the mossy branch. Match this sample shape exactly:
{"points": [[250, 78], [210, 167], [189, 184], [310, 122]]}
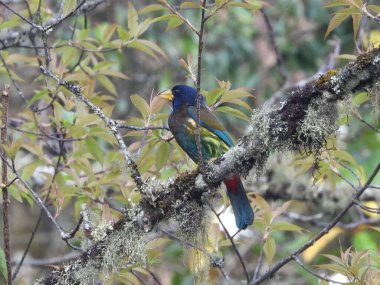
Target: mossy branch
{"points": [[303, 123]]}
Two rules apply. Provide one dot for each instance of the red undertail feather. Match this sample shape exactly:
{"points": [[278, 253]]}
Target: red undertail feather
{"points": [[232, 184]]}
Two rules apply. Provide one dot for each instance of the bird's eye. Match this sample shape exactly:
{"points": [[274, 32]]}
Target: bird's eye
{"points": [[175, 92]]}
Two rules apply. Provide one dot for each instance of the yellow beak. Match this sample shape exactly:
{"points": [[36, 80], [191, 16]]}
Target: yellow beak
{"points": [[167, 95]]}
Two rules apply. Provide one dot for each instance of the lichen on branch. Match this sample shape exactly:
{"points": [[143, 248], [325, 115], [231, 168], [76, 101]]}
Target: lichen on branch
{"points": [[303, 123]]}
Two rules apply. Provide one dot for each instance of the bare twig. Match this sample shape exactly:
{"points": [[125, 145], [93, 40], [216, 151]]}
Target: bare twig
{"points": [[335, 221], [41, 204], [259, 264], [233, 244], [272, 39], [304, 267], [4, 180], [15, 38], [155, 278], [216, 10], [15, 85], [179, 15], [49, 261], [38, 27], [214, 262], [366, 123], [146, 128], [199, 78]]}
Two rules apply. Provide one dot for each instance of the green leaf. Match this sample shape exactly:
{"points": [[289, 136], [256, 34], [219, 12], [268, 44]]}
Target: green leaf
{"points": [[174, 23], [29, 169], [356, 19], [3, 264], [374, 8], [141, 105], [132, 19], [162, 156], [284, 226], [140, 45], [234, 112], [347, 56], [106, 83], [363, 241], [337, 3], [360, 98], [95, 150], [107, 34], [68, 6], [15, 193], [270, 249], [214, 95], [335, 22], [190, 5], [39, 95], [151, 8], [123, 33]]}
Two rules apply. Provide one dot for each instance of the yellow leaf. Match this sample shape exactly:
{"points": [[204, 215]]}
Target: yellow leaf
{"points": [[270, 249], [132, 19], [309, 254], [69, 6], [374, 39], [141, 105], [335, 22], [371, 205], [356, 19]]}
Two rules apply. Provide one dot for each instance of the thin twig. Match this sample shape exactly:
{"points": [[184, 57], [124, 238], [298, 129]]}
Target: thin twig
{"points": [[352, 172], [49, 261], [232, 243], [146, 128], [366, 123], [304, 267], [332, 224], [14, 39], [154, 276], [38, 27], [47, 27], [15, 85], [216, 10], [64, 235], [4, 180], [212, 258], [259, 264], [179, 15], [199, 73], [272, 40]]}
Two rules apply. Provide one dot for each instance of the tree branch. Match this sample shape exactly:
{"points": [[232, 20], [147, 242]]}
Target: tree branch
{"points": [[293, 126], [16, 38], [111, 124], [4, 180], [295, 254]]}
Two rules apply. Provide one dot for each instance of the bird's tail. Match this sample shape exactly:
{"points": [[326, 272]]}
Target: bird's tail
{"points": [[239, 201]]}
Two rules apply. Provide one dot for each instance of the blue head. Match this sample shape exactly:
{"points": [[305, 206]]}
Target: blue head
{"points": [[181, 95]]}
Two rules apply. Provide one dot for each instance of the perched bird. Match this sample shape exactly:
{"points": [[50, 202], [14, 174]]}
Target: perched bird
{"points": [[215, 141]]}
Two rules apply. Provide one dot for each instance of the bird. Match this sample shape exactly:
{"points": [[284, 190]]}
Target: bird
{"points": [[214, 142]]}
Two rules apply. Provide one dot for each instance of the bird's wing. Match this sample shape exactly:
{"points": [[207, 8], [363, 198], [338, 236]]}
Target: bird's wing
{"points": [[211, 144], [209, 121]]}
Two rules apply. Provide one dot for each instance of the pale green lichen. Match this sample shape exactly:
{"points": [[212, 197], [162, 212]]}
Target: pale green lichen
{"points": [[374, 95], [124, 247], [320, 122]]}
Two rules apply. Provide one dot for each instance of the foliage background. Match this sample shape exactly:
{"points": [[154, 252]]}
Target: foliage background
{"points": [[237, 49]]}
